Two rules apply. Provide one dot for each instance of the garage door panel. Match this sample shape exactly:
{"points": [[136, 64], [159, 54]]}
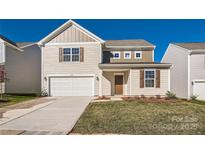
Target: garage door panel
{"points": [[72, 86], [199, 89]]}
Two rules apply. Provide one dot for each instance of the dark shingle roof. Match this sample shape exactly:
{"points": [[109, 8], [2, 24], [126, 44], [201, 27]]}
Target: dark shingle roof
{"points": [[128, 43], [192, 46], [8, 40]]}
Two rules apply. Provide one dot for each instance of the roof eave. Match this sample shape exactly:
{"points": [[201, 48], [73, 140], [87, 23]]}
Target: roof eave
{"points": [[131, 47], [15, 47], [111, 66]]}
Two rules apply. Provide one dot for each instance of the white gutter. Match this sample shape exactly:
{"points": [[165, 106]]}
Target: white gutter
{"points": [[11, 45]]}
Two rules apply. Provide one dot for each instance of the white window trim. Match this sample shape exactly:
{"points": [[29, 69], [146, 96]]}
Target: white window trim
{"points": [[154, 77], [125, 52], [115, 53], [71, 60], [140, 54]]}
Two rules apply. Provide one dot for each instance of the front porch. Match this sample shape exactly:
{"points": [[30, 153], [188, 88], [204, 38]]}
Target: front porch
{"points": [[115, 82], [123, 79]]}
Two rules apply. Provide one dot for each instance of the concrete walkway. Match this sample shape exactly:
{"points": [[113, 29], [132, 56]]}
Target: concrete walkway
{"points": [[58, 117]]}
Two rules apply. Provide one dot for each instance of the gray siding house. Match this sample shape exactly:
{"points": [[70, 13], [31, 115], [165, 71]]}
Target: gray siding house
{"points": [[188, 71], [22, 63]]}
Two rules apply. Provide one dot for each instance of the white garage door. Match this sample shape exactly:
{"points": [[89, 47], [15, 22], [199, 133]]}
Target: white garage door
{"points": [[72, 86], [199, 89]]}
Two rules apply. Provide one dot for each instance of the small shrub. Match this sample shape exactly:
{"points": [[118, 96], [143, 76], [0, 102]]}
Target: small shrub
{"points": [[137, 97], [194, 97], [152, 98], [143, 96], [158, 96], [170, 95], [102, 98]]}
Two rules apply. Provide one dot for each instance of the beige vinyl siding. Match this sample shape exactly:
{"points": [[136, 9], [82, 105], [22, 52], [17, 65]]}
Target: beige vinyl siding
{"points": [[23, 70], [178, 56], [135, 84], [72, 34], [52, 66], [147, 56], [108, 83], [197, 68]]}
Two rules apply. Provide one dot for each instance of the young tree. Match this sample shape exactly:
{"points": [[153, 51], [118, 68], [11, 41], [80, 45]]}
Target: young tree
{"points": [[3, 79]]}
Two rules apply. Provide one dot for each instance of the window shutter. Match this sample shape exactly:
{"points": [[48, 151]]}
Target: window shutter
{"points": [[141, 78], [60, 54], [81, 54], [157, 78]]}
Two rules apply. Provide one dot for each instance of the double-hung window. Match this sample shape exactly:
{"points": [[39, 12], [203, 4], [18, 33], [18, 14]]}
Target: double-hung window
{"points": [[149, 78], [75, 54], [71, 54]]}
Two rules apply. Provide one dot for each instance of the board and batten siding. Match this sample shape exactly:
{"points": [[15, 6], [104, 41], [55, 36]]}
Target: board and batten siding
{"points": [[72, 34], [134, 84], [52, 66], [197, 68], [179, 72]]}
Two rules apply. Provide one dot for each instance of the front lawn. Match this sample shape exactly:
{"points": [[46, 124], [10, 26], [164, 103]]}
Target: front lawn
{"points": [[142, 117], [14, 99]]}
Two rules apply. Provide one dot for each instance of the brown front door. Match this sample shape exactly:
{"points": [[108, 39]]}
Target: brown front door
{"points": [[118, 84]]}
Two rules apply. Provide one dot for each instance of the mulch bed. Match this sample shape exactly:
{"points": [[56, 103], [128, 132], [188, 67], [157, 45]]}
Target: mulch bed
{"points": [[151, 99]]}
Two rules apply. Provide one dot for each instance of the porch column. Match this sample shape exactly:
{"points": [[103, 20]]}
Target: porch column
{"points": [[100, 82]]}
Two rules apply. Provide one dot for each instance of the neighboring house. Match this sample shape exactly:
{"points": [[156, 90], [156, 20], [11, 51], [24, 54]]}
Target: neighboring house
{"points": [[22, 63], [188, 72], [75, 62]]}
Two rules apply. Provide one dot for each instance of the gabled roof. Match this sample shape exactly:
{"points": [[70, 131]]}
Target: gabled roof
{"points": [[10, 43], [128, 43], [195, 46], [65, 26]]}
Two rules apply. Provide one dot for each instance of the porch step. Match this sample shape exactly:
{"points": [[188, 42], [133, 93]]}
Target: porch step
{"points": [[116, 98]]}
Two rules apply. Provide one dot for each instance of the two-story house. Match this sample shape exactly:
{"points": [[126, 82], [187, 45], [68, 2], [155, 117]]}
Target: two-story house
{"points": [[76, 62], [188, 72], [21, 62]]}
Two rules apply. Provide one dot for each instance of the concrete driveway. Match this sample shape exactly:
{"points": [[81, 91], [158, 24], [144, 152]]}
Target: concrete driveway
{"points": [[58, 117]]}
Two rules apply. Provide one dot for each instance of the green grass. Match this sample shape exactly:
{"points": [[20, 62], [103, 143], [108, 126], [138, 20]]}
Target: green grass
{"points": [[14, 99], [138, 117]]}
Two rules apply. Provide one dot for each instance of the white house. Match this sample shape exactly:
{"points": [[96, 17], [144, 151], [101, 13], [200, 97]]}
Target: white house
{"points": [[188, 71]]}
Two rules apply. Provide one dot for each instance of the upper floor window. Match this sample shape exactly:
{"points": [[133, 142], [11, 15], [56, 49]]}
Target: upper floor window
{"points": [[71, 54], [116, 55], [127, 55], [138, 54], [149, 78]]}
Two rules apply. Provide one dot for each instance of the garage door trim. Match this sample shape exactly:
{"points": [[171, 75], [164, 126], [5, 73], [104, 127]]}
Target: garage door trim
{"points": [[70, 76], [194, 85]]}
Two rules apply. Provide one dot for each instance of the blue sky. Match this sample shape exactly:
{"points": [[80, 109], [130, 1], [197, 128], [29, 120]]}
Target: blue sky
{"points": [[159, 32]]}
